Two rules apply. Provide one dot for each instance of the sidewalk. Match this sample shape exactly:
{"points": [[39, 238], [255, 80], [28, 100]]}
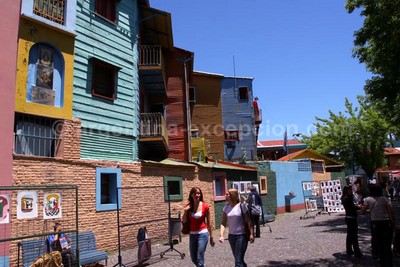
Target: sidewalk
{"points": [[293, 242]]}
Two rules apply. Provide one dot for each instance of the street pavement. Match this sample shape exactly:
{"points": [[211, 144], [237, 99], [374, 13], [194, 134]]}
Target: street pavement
{"points": [[295, 240]]}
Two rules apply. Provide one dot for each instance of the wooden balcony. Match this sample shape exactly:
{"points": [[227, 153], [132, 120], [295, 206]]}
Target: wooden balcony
{"points": [[153, 137], [152, 69]]}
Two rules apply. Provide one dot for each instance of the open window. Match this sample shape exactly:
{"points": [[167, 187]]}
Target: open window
{"points": [[192, 95], [231, 135], [243, 93], [104, 79], [107, 9]]}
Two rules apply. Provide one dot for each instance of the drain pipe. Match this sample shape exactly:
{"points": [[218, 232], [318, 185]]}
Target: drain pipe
{"points": [[189, 124]]}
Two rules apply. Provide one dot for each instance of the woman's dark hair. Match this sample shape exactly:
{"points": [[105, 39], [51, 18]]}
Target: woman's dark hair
{"points": [[375, 190], [190, 198]]}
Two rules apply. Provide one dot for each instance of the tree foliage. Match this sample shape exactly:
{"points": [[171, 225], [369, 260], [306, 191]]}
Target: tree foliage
{"points": [[359, 135], [377, 44]]}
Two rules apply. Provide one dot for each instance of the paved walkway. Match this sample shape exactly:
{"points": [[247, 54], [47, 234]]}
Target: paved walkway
{"points": [[318, 241]]}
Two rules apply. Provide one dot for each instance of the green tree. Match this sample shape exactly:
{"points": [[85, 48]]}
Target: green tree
{"points": [[358, 135], [377, 44]]}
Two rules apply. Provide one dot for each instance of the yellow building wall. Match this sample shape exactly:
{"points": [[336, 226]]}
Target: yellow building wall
{"points": [[30, 33]]}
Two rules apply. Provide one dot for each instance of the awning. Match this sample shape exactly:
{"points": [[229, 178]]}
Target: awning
{"points": [[155, 27]]}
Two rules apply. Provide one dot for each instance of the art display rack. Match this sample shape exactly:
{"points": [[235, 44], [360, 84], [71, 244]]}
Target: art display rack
{"points": [[332, 193], [312, 197]]}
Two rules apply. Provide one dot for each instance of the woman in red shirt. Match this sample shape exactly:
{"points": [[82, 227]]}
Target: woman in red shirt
{"points": [[198, 214]]}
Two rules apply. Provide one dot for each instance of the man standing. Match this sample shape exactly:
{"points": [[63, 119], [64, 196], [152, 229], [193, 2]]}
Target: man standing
{"points": [[255, 205]]}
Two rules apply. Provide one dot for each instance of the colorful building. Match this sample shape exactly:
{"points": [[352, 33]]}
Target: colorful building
{"points": [[238, 119], [9, 23]]}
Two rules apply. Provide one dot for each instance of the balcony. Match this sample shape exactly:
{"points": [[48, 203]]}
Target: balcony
{"points": [[200, 147], [153, 137], [152, 69]]}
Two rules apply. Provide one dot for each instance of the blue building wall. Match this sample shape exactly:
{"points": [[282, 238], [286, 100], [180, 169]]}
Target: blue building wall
{"points": [[288, 179], [238, 114], [109, 127]]}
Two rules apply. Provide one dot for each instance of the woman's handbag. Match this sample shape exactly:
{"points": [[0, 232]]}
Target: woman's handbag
{"points": [[245, 225], [186, 226]]}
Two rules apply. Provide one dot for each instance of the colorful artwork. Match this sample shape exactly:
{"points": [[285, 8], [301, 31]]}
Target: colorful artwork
{"points": [[52, 206], [4, 209], [236, 185], [27, 205]]}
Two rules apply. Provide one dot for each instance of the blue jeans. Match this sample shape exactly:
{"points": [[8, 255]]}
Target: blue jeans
{"points": [[197, 246], [239, 246]]}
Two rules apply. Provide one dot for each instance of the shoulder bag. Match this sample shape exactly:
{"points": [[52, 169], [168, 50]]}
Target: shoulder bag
{"points": [[186, 226]]}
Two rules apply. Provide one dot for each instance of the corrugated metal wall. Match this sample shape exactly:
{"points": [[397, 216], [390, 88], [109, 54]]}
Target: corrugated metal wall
{"points": [[238, 114], [115, 45], [103, 146]]}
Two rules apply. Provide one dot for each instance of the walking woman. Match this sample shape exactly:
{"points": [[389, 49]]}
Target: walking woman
{"points": [[232, 215], [351, 222], [383, 224], [198, 214]]}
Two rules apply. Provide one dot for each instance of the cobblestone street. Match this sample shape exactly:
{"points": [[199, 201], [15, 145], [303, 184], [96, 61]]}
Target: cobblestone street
{"points": [[292, 242]]}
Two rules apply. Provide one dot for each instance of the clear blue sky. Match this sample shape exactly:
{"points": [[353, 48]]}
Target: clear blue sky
{"points": [[299, 53]]}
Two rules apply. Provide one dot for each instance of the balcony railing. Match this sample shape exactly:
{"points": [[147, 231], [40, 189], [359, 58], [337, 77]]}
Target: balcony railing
{"points": [[50, 9], [150, 55], [153, 125]]}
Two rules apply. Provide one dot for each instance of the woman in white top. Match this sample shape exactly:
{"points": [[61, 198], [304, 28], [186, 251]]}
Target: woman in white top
{"points": [[383, 224], [232, 216]]}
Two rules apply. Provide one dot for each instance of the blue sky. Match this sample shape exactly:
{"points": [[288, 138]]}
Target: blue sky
{"points": [[299, 53]]}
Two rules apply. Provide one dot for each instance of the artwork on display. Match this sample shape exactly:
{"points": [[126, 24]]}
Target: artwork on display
{"points": [[257, 188], [52, 206], [311, 205], [312, 187], [332, 193], [236, 185], [27, 205], [4, 209], [248, 187], [242, 189]]}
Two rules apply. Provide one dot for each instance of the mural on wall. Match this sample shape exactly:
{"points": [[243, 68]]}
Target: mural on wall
{"points": [[42, 92], [27, 205], [4, 209], [52, 206]]}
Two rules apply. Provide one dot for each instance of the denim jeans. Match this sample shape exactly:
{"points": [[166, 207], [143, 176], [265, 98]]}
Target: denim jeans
{"points": [[239, 246], [197, 247]]}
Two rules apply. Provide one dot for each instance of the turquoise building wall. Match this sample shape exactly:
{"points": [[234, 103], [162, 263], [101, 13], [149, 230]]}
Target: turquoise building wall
{"points": [[288, 179], [109, 127], [238, 114]]}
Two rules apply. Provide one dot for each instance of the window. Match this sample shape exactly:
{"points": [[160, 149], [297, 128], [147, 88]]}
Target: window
{"points": [[317, 166], [50, 9], [45, 83], [192, 95], [36, 136], [232, 135], [219, 185], [195, 133], [106, 9], [243, 93], [263, 184], [104, 77], [173, 188], [107, 182]]}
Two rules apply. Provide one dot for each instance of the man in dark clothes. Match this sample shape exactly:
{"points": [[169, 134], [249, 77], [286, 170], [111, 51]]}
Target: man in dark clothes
{"points": [[351, 221]]}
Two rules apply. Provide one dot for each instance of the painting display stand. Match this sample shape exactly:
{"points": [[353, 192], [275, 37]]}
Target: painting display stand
{"points": [[311, 193], [332, 193]]}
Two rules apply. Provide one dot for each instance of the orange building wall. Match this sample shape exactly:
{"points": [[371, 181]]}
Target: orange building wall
{"points": [[207, 112]]}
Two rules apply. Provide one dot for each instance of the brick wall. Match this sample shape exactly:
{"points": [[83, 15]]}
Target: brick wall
{"points": [[142, 194]]}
